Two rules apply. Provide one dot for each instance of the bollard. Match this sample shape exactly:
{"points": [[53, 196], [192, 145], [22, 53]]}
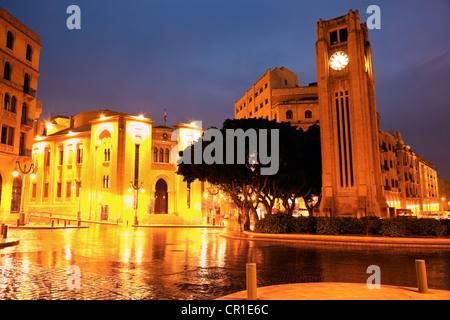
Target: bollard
{"points": [[53, 223], [251, 282], [65, 223], [18, 222], [5, 232], [421, 273], [2, 229]]}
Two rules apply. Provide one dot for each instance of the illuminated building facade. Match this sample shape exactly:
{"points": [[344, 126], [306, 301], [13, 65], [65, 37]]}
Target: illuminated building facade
{"points": [[19, 62], [365, 171], [113, 167]]}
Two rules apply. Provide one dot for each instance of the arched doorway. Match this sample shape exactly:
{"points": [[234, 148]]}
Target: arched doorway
{"points": [[16, 194], [161, 197]]}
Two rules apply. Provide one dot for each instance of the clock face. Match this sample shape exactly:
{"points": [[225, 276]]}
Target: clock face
{"points": [[339, 60]]}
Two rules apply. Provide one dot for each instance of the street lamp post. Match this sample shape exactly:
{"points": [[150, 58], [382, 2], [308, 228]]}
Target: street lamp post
{"points": [[136, 186], [24, 171], [77, 185], [213, 191]]}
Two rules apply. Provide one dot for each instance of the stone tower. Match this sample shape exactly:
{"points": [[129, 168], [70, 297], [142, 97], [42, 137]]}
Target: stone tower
{"points": [[351, 180]]}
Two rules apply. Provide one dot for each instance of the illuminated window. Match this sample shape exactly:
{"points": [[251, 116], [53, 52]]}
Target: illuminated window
{"points": [[61, 157], [68, 189], [289, 115], [33, 190], [46, 190], [79, 154], [58, 189], [308, 114], [105, 181], [9, 40], [47, 157], [107, 154], [167, 156]]}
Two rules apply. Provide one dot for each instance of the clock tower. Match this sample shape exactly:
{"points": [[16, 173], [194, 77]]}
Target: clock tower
{"points": [[351, 170]]}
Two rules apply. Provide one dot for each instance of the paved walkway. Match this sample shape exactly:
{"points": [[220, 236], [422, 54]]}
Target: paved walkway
{"points": [[339, 291]]}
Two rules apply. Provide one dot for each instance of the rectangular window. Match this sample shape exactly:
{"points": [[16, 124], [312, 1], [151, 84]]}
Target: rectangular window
{"points": [[58, 189], [343, 34], [47, 157], [333, 37], [46, 190], [79, 154], [266, 101], [105, 181], [68, 189], [10, 136], [4, 134], [61, 157], [33, 190]]}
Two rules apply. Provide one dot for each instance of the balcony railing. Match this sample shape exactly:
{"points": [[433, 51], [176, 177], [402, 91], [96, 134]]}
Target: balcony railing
{"points": [[25, 152], [25, 121], [29, 91]]}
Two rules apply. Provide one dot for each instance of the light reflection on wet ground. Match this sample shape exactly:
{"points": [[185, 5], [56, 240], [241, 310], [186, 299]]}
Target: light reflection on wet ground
{"points": [[188, 263]]}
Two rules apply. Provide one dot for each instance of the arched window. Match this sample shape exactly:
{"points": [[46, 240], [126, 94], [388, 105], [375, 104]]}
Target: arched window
{"points": [[6, 102], [161, 155], [308, 114], [289, 115], [9, 40], [155, 155], [167, 156], [26, 82], [24, 113], [13, 104], [7, 71], [28, 55]]}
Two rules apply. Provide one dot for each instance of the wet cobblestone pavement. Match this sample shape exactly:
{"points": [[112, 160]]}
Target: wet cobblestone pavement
{"points": [[183, 263]]}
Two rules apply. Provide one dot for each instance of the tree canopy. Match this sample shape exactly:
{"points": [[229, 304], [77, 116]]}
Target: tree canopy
{"points": [[293, 155]]}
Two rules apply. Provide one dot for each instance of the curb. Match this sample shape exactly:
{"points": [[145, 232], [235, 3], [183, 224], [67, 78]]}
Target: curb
{"points": [[378, 242], [338, 291]]}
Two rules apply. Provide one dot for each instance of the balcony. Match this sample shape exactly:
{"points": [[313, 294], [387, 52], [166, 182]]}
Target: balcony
{"points": [[26, 123], [29, 91], [24, 152]]}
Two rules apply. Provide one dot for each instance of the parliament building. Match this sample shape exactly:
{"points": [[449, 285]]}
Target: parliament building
{"points": [[365, 171]]}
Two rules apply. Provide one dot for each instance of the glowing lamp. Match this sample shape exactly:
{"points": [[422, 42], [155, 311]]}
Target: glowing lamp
{"points": [[142, 190], [33, 175], [129, 189], [72, 187], [15, 173]]}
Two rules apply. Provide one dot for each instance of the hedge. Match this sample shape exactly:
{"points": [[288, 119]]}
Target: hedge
{"points": [[394, 227]]}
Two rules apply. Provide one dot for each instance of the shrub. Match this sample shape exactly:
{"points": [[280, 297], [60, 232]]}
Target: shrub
{"points": [[276, 223], [305, 225], [395, 227]]}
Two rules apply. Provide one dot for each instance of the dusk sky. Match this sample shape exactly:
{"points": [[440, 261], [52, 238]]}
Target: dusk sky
{"points": [[196, 58]]}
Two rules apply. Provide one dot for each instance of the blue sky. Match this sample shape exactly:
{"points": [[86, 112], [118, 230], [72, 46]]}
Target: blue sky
{"points": [[195, 58]]}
